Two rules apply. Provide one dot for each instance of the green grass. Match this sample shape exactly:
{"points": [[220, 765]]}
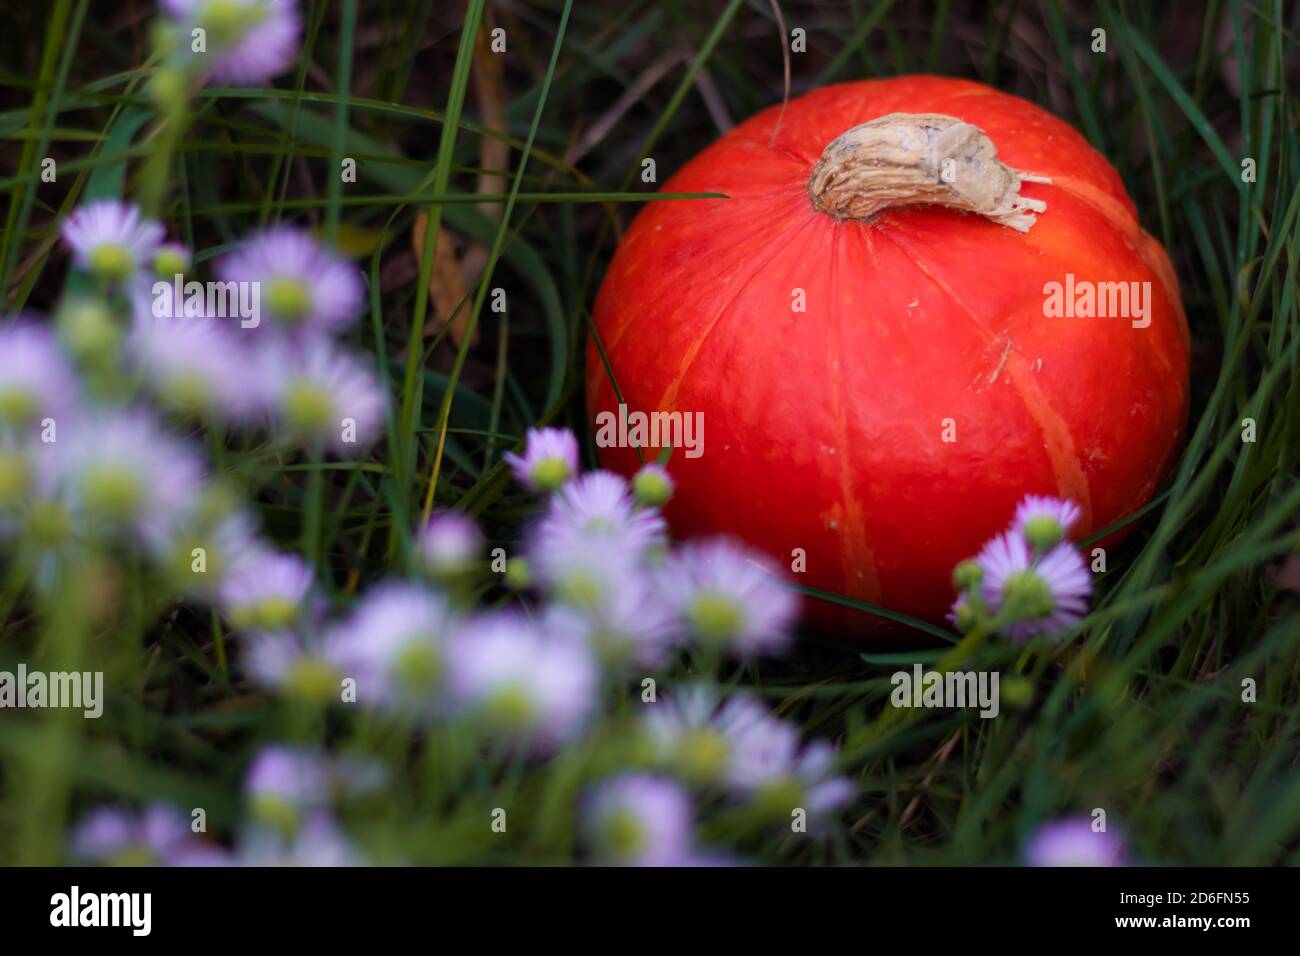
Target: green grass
{"points": [[1142, 715]]}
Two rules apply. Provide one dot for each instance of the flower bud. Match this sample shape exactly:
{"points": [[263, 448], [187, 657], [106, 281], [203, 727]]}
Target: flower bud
{"points": [[967, 574], [652, 486]]}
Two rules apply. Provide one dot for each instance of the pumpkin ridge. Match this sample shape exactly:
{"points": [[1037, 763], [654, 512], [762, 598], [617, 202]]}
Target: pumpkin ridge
{"points": [[668, 397], [784, 151], [914, 252], [1144, 247], [778, 214], [1058, 443], [857, 558]]}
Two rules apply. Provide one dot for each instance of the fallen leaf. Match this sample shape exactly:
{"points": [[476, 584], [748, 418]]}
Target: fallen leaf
{"points": [[446, 282]]}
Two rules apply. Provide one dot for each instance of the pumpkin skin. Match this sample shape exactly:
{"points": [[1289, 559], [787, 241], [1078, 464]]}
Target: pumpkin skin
{"points": [[824, 429]]}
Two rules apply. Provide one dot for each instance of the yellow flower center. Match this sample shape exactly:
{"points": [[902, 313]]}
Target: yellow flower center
{"points": [[17, 406], [550, 473], [228, 21], [419, 665], [111, 261], [288, 299], [113, 491], [268, 614], [715, 617], [313, 679], [624, 836], [308, 408], [702, 755], [15, 478], [511, 707], [49, 523]]}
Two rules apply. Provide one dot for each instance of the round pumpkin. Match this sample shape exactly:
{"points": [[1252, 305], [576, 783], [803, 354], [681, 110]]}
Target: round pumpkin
{"points": [[886, 333]]}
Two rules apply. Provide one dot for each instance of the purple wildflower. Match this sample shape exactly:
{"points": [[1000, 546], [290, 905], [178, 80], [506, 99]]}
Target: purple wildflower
{"points": [[329, 398], [1047, 595], [108, 238], [630, 625], [305, 288], [318, 842], [579, 571], [300, 668], [284, 785], [731, 597], [769, 764], [1073, 842], [640, 820], [36, 380], [158, 835], [689, 736], [394, 646], [215, 534], [123, 472], [595, 506], [1043, 521], [249, 41], [196, 366], [518, 680], [549, 460], [266, 592], [283, 782], [448, 544]]}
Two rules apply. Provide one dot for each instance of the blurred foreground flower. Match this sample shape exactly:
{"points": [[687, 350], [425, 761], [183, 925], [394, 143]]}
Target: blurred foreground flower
{"points": [[195, 366], [687, 737], [520, 682], [1072, 841], [110, 239], [770, 763], [319, 842], [448, 545], [394, 646], [266, 591], [598, 505], [305, 289], [284, 785], [640, 820], [247, 41], [158, 835], [740, 746], [327, 398], [732, 598], [629, 624], [124, 473], [36, 380]]}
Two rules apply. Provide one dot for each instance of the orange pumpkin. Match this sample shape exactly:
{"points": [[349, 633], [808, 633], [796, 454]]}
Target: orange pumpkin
{"points": [[885, 331]]}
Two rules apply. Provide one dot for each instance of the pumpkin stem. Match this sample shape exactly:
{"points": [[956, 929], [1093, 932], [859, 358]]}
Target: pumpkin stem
{"points": [[920, 159]]}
